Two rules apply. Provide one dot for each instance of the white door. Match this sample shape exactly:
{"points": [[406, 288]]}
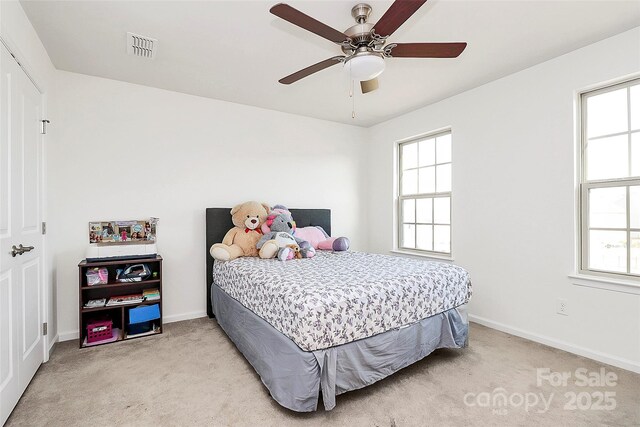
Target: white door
{"points": [[21, 295]]}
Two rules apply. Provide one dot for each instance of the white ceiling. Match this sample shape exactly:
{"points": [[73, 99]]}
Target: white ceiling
{"points": [[236, 50]]}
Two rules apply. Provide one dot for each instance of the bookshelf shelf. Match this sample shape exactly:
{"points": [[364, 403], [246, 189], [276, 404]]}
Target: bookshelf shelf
{"points": [[115, 307], [133, 337], [120, 285], [118, 314]]}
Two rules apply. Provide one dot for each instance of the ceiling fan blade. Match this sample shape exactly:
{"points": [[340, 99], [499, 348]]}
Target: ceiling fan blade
{"points": [[292, 78], [298, 18], [396, 15], [426, 50], [369, 85]]}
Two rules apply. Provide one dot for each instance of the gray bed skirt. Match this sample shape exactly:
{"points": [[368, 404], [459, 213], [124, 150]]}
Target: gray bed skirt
{"points": [[295, 377]]}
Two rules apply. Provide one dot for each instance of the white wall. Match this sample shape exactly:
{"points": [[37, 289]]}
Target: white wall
{"points": [[126, 151], [513, 200], [22, 39]]}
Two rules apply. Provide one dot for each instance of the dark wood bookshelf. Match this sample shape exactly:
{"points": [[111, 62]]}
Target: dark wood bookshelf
{"points": [[118, 314]]}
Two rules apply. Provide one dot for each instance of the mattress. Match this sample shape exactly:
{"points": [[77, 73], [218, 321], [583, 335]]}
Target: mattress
{"points": [[339, 297]]}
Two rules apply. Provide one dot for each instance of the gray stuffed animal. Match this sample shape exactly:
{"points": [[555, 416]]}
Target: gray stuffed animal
{"points": [[278, 240]]}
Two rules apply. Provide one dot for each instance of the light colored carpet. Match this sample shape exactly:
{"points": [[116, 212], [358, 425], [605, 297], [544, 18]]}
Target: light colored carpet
{"points": [[193, 375]]}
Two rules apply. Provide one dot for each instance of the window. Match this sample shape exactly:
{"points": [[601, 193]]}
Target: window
{"points": [[424, 202], [610, 181]]}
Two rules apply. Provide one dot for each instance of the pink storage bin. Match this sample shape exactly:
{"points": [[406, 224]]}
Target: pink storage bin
{"points": [[99, 330]]}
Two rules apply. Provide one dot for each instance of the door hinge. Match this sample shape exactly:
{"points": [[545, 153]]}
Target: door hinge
{"points": [[44, 228], [44, 328], [44, 124]]}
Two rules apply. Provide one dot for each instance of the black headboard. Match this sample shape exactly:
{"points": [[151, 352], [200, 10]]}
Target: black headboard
{"points": [[219, 222]]}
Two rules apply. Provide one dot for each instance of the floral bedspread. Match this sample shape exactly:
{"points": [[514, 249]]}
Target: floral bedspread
{"points": [[336, 298]]}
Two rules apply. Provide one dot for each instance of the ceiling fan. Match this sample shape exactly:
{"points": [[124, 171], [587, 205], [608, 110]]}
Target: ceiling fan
{"points": [[365, 45]]}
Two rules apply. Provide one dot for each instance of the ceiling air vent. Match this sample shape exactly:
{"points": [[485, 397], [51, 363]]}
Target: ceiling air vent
{"points": [[143, 46]]}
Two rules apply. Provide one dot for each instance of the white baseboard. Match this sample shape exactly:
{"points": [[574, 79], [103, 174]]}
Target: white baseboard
{"points": [[619, 362], [53, 343], [184, 316], [67, 336], [73, 335]]}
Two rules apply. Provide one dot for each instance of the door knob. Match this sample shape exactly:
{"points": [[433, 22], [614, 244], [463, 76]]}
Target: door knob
{"points": [[20, 249]]}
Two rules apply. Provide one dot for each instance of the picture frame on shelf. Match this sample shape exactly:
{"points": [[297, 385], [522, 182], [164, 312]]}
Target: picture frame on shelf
{"points": [[119, 232]]}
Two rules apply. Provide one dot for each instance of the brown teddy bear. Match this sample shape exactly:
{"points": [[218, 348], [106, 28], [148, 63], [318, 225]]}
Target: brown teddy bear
{"points": [[241, 240]]}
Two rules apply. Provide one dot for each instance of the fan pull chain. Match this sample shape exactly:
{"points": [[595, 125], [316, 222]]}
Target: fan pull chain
{"points": [[353, 98], [353, 103]]}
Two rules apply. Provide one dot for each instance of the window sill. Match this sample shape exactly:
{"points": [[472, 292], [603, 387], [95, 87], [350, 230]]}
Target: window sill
{"points": [[422, 255], [616, 285]]}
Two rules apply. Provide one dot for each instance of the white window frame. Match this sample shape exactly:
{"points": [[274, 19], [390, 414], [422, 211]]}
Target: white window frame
{"points": [[586, 185], [434, 195]]}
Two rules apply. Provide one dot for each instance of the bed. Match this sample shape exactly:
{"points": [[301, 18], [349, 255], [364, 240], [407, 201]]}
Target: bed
{"points": [[336, 322]]}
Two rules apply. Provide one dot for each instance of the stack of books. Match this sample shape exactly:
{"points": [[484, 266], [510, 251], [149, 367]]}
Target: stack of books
{"points": [[151, 294], [93, 303], [125, 299]]}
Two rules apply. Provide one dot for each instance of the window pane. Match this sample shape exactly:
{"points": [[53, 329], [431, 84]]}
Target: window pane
{"points": [[634, 201], [423, 208], [427, 152], [427, 180], [410, 182], [443, 180], [608, 250], [635, 253], [409, 210], [607, 113], [442, 238], [635, 154], [409, 156], [608, 207], [443, 149], [442, 210], [635, 107], [409, 236], [425, 237], [608, 157]]}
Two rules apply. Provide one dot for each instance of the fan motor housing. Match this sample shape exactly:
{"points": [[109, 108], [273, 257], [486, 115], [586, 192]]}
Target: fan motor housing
{"points": [[359, 33]]}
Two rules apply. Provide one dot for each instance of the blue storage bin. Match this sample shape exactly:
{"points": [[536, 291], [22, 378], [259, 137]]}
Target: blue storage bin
{"points": [[141, 318]]}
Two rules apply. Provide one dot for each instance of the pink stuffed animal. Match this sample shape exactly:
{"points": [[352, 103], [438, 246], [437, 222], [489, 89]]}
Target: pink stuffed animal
{"points": [[319, 239]]}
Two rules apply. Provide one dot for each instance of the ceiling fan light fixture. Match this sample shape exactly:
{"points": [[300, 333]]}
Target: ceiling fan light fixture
{"points": [[364, 66]]}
